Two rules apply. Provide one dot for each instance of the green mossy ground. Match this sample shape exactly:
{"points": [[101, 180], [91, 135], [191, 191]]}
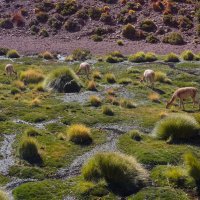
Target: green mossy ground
{"points": [[57, 153]]}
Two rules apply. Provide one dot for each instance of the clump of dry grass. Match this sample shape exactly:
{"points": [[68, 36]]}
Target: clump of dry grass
{"points": [[126, 103], [31, 76], [111, 99], [107, 110], [96, 75], [162, 77], [163, 114], [36, 102], [19, 84], [92, 86], [95, 101], [47, 55], [110, 78], [79, 134], [155, 97], [111, 92]]}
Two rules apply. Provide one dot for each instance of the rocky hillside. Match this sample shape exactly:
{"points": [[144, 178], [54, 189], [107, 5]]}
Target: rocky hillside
{"points": [[112, 24]]}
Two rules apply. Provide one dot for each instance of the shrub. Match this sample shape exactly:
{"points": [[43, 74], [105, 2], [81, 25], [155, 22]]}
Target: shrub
{"points": [[198, 29], [131, 33], [82, 14], [110, 78], [28, 151], [3, 51], [3, 195], [173, 38], [18, 19], [42, 17], [150, 57], [193, 165], [148, 25], [185, 23], [81, 54], [106, 110], [31, 132], [31, 76], [44, 33], [188, 55], [72, 26], [12, 54], [92, 86], [94, 13], [79, 134], [137, 57], [171, 57], [96, 75], [120, 42], [176, 127], [63, 80], [152, 39], [67, 7], [126, 103], [122, 173], [34, 29], [97, 38], [47, 55], [169, 20], [106, 17], [55, 23], [95, 101], [6, 23]]}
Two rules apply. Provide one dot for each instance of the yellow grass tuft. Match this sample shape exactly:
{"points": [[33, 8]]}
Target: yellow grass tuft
{"points": [[79, 134], [154, 97]]}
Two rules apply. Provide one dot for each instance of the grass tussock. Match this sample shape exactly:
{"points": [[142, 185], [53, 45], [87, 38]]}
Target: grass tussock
{"points": [[110, 78], [31, 132], [155, 97], [28, 151], [171, 57], [162, 77], [96, 75], [3, 195], [126, 103], [92, 86], [188, 55], [47, 55], [31, 76], [176, 127], [193, 167], [36, 102], [122, 173], [12, 54], [79, 134], [107, 110], [63, 80], [95, 101], [19, 84]]}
